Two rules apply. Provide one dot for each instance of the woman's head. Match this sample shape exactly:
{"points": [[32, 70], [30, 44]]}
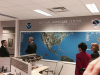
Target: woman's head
{"points": [[82, 47], [94, 47]]}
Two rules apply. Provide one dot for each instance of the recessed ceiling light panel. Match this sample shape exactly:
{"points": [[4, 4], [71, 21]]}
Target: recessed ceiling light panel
{"points": [[42, 12], [92, 8]]}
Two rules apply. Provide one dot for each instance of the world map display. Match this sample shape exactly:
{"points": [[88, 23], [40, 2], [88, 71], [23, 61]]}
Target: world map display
{"points": [[59, 45]]}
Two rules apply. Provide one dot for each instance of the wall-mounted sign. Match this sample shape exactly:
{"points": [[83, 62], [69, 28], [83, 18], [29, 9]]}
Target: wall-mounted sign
{"points": [[29, 25], [68, 23], [95, 22]]}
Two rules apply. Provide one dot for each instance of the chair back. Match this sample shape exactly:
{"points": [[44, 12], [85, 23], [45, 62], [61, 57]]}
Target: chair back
{"points": [[68, 68], [58, 67]]}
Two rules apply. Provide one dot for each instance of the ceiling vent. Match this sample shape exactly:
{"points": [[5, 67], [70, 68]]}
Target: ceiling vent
{"points": [[58, 9], [8, 16]]}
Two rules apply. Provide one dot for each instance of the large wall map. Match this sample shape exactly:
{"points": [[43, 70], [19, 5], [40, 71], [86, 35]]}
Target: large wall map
{"points": [[59, 45]]}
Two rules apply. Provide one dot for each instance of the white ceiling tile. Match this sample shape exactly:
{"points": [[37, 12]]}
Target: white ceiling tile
{"points": [[69, 2], [41, 1], [15, 14], [66, 14], [32, 7], [37, 15], [82, 12], [3, 18], [32, 13], [18, 8], [50, 5], [22, 9], [90, 1], [25, 17], [2, 10], [52, 13], [77, 8], [98, 6], [4, 3], [96, 13], [20, 2], [21, 15]]}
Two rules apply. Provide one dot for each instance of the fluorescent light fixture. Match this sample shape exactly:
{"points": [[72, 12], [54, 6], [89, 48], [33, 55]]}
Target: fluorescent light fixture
{"points": [[92, 8], [42, 12]]}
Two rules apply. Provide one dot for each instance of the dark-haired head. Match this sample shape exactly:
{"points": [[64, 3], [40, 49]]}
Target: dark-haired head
{"points": [[2, 42], [83, 46]]}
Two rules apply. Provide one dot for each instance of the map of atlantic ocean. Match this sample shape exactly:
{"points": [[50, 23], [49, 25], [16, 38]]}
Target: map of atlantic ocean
{"points": [[59, 45]]}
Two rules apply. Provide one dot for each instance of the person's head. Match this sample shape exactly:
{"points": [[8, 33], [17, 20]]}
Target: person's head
{"points": [[94, 47], [4, 43], [82, 47], [30, 39]]}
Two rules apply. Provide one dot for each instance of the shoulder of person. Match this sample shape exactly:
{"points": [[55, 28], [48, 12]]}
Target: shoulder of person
{"points": [[2, 46], [32, 43], [88, 54], [94, 53], [78, 54], [29, 45]]}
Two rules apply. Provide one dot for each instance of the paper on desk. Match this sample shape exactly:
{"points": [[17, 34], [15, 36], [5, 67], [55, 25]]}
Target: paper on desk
{"points": [[38, 65], [33, 71], [6, 73]]}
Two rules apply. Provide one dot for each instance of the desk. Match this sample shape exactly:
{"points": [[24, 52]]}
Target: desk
{"points": [[42, 68], [1, 74]]}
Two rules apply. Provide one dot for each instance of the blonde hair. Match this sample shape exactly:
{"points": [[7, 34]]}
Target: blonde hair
{"points": [[95, 46]]}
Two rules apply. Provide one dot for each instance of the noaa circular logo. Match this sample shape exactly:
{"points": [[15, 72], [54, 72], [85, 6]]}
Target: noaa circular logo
{"points": [[95, 22], [28, 25]]}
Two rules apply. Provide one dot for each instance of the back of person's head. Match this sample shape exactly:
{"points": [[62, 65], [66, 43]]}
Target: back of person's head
{"points": [[31, 38], [3, 41], [83, 46], [95, 46]]}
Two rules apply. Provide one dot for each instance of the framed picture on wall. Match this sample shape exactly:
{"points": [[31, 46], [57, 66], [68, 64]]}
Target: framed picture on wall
{"points": [[10, 42]]}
